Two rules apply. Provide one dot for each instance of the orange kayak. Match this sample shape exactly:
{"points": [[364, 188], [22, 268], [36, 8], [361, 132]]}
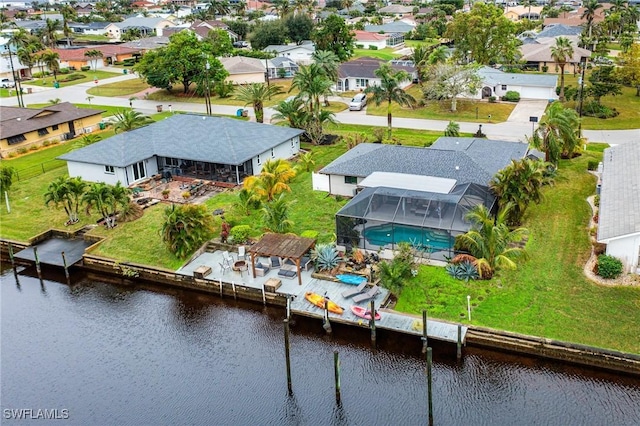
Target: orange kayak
{"points": [[318, 300]]}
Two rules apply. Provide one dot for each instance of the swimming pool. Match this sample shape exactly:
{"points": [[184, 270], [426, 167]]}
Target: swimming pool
{"points": [[394, 234]]}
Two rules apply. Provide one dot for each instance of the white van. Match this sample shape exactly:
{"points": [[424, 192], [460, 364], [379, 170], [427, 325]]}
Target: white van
{"points": [[358, 102]]}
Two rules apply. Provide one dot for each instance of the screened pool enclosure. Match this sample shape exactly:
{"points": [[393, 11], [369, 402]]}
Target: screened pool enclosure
{"points": [[382, 217]]}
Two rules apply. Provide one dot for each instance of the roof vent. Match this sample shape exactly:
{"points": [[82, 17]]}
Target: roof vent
{"points": [[457, 167], [19, 119]]}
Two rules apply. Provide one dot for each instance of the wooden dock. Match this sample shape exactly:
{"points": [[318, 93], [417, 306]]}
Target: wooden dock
{"points": [[50, 251], [390, 320]]}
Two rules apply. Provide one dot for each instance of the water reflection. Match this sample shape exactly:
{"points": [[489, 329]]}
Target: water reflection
{"points": [[125, 354]]}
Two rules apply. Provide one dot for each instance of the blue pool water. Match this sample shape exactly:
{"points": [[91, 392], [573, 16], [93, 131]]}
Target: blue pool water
{"points": [[394, 234]]}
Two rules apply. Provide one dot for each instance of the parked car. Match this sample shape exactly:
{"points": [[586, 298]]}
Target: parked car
{"points": [[240, 44], [358, 102], [6, 83]]}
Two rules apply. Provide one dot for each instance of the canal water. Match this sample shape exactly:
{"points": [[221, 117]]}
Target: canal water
{"points": [[139, 355]]}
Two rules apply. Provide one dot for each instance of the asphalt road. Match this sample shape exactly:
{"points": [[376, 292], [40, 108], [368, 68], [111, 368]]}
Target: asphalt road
{"points": [[516, 128]]}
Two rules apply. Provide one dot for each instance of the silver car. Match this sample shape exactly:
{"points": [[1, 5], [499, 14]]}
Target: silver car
{"points": [[358, 102]]}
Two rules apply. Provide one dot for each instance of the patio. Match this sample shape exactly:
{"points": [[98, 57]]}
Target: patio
{"points": [[198, 190]]}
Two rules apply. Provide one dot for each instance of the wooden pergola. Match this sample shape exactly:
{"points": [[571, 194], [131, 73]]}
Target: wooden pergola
{"points": [[284, 246]]}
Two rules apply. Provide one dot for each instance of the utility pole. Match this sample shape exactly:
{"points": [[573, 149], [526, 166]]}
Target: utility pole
{"points": [[16, 80], [208, 94], [584, 66]]}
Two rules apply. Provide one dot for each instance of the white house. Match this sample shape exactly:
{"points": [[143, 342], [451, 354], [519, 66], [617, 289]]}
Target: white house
{"points": [[368, 39], [212, 148], [147, 27], [244, 70], [530, 86], [298, 53], [359, 74], [619, 215]]}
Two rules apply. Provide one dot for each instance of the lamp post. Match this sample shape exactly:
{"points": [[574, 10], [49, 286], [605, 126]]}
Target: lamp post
{"points": [[583, 66], [207, 98]]}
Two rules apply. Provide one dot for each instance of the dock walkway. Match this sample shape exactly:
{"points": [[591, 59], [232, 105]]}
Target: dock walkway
{"points": [[50, 251], [390, 320]]}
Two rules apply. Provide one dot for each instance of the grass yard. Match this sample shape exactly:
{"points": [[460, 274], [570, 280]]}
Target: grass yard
{"points": [[386, 54], [88, 76], [120, 88], [548, 295], [467, 110]]}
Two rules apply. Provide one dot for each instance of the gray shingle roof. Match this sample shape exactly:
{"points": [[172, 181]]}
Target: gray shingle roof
{"points": [[16, 121], [189, 137], [559, 30], [391, 27], [620, 192], [365, 67], [494, 77], [467, 160]]}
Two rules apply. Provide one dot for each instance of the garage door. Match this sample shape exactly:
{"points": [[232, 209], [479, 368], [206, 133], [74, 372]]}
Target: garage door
{"points": [[534, 93]]}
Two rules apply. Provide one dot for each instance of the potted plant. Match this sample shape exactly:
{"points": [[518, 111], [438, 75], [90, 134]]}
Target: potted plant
{"points": [[165, 194], [186, 195]]}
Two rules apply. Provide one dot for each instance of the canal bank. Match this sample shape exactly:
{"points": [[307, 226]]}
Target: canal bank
{"points": [[130, 273]]}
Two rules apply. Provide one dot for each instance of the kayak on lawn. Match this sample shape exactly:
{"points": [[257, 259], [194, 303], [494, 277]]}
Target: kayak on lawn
{"points": [[318, 300], [361, 312]]}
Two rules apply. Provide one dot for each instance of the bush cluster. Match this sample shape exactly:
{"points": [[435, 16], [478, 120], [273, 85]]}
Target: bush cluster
{"points": [[240, 234], [511, 96], [592, 165], [609, 266], [594, 109]]}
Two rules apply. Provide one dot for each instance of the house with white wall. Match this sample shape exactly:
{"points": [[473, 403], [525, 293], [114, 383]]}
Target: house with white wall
{"points": [[147, 26], [619, 214], [358, 74], [298, 53], [530, 86], [212, 148]]}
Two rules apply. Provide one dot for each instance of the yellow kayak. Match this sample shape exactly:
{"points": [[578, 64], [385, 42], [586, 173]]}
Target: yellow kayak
{"points": [[318, 300]]}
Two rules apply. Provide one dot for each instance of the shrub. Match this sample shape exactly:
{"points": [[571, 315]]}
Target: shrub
{"points": [[599, 248], [545, 68], [463, 271], [63, 71], [492, 99], [240, 233], [359, 46], [609, 266], [594, 109], [596, 200], [33, 148], [373, 47], [326, 257], [378, 134], [592, 165], [85, 68], [511, 96], [22, 150], [310, 233], [12, 154]]}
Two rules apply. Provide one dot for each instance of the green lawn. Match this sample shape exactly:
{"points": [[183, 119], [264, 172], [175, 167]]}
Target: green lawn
{"points": [[548, 295], [467, 110], [88, 76], [384, 54], [120, 88]]}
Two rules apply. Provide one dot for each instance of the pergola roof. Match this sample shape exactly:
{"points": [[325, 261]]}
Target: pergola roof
{"points": [[286, 246]]}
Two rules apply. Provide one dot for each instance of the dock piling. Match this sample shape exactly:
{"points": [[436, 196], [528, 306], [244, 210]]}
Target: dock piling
{"points": [[288, 307], [429, 381], [372, 323], [13, 263], [286, 354], [336, 369], [35, 254], [459, 345], [264, 297], [235, 295], [326, 324], [64, 263], [425, 339], [220, 281]]}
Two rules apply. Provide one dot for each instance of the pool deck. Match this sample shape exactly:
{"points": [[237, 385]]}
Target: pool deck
{"points": [[390, 320]]}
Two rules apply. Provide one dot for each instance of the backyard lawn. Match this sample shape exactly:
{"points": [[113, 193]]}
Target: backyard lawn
{"points": [[119, 88], [386, 54], [87, 76]]}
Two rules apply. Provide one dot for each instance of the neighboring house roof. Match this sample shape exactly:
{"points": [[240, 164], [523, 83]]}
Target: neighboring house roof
{"points": [[537, 52], [17, 121], [574, 18], [108, 50], [391, 27], [281, 48], [522, 10], [140, 22], [90, 25], [189, 137], [396, 8], [560, 30], [282, 62], [368, 36], [243, 65], [467, 160], [366, 67], [620, 192], [493, 77]]}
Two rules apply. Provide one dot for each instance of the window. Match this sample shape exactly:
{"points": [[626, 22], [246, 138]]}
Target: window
{"points": [[109, 170], [54, 127], [504, 87], [362, 82], [351, 180], [258, 159], [42, 132], [273, 154], [16, 139], [139, 171], [171, 161]]}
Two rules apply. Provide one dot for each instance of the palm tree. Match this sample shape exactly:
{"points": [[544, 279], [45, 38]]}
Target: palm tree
{"points": [[283, 7], [86, 140], [438, 56], [312, 83], [256, 94], [491, 241], [328, 63], [66, 191], [7, 173], [389, 90], [218, 7], [50, 59], [93, 56], [50, 32], [519, 184], [276, 215], [68, 14], [558, 133], [420, 58], [589, 13], [127, 120], [186, 227], [453, 129], [98, 196], [272, 180], [561, 52], [291, 111]]}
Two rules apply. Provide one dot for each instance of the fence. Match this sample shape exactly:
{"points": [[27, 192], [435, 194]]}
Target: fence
{"points": [[38, 169]]}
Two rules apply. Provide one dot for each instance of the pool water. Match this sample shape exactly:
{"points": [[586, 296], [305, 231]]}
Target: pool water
{"points": [[394, 234]]}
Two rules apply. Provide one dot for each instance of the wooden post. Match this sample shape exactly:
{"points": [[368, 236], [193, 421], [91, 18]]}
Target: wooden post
{"points": [[220, 281], [425, 338], [288, 307], [336, 369], [326, 324], [35, 254], [64, 263], [13, 263], [264, 297], [372, 323], [429, 380], [459, 349], [233, 285], [286, 354]]}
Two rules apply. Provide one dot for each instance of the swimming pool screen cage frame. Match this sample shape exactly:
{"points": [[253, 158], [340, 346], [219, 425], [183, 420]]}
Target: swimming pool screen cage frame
{"points": [[381, 217]]}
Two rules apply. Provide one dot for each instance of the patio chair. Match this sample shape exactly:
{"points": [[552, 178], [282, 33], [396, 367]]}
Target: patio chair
{"points": [[261, 269], [287, 273], [242, 253], [227, 258], [369, 294], [224, 267], [355, 291], [275, 262]]}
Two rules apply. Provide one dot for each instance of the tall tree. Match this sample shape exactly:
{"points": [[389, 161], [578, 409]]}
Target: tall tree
{"points": [[49, 32], [420, 57], [299, 27], [272, 180], [275, 215], [66, 192], [268, 33], [491, 241], [51, 60], [558, 132], [389, 90], [256, 94], [217, 7], [603, 82], [448, 80], [127, 120], [484, 35], [328, 63], [589, 13], [93, 55], [333, 34], [561, 53], [186, 228], [629, 70]]}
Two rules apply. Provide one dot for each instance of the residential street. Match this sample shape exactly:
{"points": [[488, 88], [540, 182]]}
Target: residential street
{"points": [[514, 129]]}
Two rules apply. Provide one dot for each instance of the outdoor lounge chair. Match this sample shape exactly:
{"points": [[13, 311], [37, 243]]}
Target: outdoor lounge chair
{"points": [[261, 269], [369, 294], [287, 273], [305, 263], [355, 291], [275, 262], [227, 258], [242, 254], [224, 267]]}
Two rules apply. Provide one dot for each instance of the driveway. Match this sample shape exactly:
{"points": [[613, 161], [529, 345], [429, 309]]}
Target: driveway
{"points": [[528, 108]]}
